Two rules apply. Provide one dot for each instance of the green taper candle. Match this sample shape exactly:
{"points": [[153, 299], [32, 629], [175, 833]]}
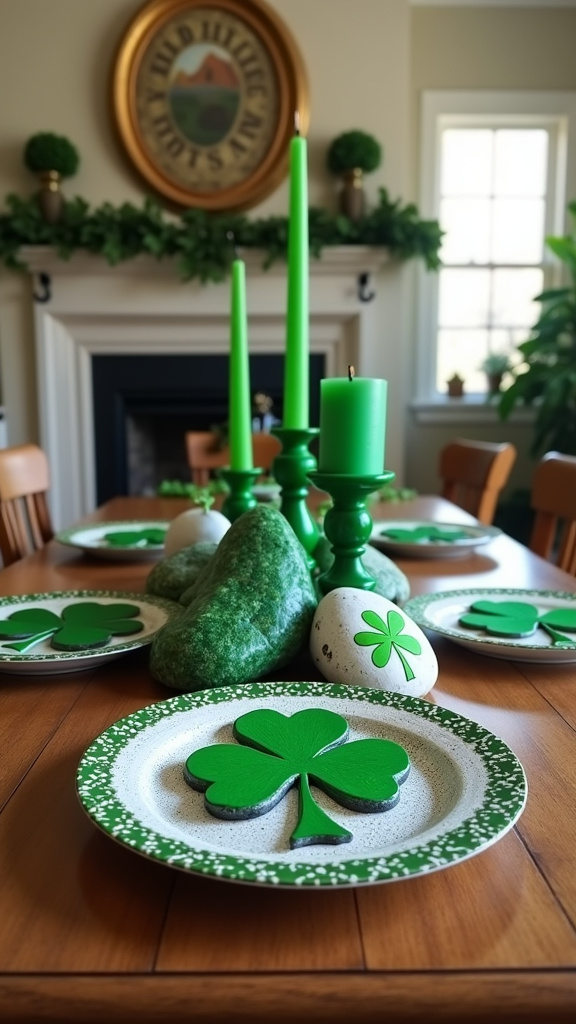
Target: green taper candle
{"points": [[239, 405], [296, 365], [352, 425]]}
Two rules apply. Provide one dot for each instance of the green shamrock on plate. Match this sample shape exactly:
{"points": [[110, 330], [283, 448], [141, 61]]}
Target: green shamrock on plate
{"points": [[277, 751], [149, 537], [389, 637], [520, 619], [422, 534], [81, 626]]}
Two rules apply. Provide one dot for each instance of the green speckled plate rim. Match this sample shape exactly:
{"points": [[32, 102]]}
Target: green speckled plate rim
{"points": [[504, 796], [477, 534], [417, 608], [68, 536], [19, 600]]}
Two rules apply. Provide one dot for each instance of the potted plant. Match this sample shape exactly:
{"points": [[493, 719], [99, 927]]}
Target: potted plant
{"points": [[351, 155], [52, 157], [495, 365], [547, 377]]}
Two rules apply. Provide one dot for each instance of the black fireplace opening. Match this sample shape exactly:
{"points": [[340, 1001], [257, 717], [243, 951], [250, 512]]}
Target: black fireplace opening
{"points": [[144, 404]]}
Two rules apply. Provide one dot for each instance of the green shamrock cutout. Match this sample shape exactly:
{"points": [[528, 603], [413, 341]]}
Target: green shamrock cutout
{"points": [[81, 626], [424, 534], [388, 638], [518, 619], [278, 751], [148, 537]]}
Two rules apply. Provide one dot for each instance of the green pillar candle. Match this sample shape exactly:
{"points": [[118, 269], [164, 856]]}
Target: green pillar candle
{"points": [[296, 364], [352, 425], [239, 406]]}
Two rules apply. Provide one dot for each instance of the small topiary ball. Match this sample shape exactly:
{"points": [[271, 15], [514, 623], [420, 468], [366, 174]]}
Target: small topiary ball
{"points": [[48, 152], [353, 149]]}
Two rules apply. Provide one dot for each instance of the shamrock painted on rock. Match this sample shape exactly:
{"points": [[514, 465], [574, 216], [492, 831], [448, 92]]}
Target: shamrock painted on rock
{"points": [[277, 751], [148, 537], [520, 619], [80, 627], [389, 636], [424, 535]]}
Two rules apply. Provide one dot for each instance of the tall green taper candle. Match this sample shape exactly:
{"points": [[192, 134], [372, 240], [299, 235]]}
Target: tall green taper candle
{"points": [[352, 425], [239, 405], [296, 366]]}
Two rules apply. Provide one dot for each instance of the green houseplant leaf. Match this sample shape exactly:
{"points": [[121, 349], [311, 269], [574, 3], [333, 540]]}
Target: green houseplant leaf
{"points": [[546, 378], [275, 752]]}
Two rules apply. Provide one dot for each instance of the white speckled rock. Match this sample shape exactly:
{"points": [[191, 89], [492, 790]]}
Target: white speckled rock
{"points": [[364, 639], [193, 526]]}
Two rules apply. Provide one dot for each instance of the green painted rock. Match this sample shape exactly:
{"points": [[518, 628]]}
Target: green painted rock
{"points": [[176, 573], [250, 612], [390, 581]]}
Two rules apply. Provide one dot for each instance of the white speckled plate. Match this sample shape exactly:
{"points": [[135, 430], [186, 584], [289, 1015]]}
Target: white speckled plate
{"points": [[42, 659], [93, 539], [465, 789], [409, 544], [441, 612]]}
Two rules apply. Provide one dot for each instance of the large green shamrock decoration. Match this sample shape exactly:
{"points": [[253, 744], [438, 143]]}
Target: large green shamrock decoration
{"points": [[148, 537], [520, 619], [81, 626], [277, 751], [424, 534], [389, 637]]}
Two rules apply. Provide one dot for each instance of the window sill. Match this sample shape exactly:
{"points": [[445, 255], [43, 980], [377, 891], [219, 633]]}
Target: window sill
{"points": [[468, 409]]}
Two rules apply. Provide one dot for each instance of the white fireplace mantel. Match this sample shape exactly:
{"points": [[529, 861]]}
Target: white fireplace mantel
{"points": [[85, 307]]}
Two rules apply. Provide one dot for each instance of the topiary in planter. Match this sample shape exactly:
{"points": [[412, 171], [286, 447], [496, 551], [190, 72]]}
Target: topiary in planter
{"points": [[48, 152], [350, 156], [51, 157]]}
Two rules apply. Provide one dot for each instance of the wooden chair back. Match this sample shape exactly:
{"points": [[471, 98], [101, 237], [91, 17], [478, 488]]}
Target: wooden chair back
{"points": [[204, 455], [473, 474], [553, 498], [25, 523]]}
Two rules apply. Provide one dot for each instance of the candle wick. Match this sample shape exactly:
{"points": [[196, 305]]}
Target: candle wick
{"points": [[297, 122], [350, 373]]}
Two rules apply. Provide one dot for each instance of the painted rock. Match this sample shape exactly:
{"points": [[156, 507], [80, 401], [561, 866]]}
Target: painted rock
{"points": [[249, 612], [195, 525], [363, 639]]}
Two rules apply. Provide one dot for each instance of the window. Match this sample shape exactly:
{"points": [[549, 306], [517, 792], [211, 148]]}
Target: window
{"points": [[494, 174]]}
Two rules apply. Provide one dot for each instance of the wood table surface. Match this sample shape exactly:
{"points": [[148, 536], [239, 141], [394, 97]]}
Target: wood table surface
{"points": [[91, 931]]}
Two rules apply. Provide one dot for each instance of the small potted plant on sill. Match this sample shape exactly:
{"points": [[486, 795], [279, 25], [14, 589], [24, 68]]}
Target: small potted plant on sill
{"points": [[351, 155], [455, 386], [52, 157], [495, 365]]}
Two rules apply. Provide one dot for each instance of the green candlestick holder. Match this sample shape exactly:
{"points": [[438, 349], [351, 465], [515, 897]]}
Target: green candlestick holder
{"points": [[348, 525], [240, 497], [291, 470]]}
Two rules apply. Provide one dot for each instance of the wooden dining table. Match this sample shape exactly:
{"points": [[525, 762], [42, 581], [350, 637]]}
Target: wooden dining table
{"points": [[91, 931]]}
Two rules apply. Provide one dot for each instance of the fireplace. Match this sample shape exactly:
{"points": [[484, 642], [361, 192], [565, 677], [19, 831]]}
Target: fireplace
{"points": [[139, 311], [143, 406]]}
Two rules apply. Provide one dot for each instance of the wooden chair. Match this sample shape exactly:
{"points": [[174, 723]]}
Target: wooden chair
{"points": [[473, 474], [25, 523], [553, 498], [204, 455]]}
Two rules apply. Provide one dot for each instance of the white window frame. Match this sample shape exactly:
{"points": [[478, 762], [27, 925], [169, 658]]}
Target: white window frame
{"points": [[556, 111]]}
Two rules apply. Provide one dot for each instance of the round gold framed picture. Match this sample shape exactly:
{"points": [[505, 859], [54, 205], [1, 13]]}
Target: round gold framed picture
{"points": [[205, 96]]}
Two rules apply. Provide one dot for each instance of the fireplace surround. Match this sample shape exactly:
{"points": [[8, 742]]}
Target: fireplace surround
{"points": [[142, 309]]}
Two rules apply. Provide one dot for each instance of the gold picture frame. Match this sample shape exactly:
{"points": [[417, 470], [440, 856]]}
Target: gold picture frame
{"points": [[205, 96]]}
